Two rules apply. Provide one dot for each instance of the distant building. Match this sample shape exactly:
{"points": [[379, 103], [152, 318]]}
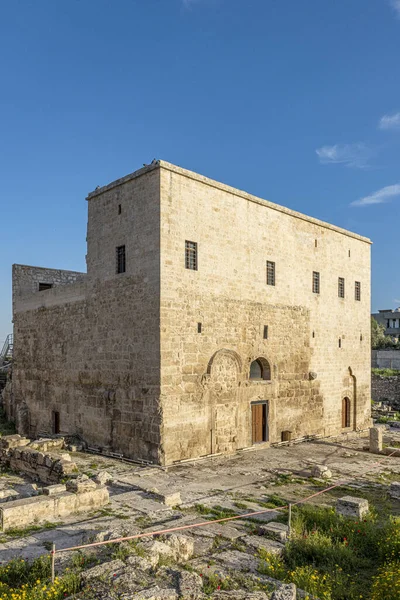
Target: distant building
{"points": [[390, 319]]}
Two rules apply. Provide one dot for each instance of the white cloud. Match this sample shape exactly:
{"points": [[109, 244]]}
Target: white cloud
{"points": [[350, 155], [396, 6], [390, 121], [379, 197]]}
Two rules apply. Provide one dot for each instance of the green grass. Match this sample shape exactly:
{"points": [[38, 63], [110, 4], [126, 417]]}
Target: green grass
{"points": [[386, 372], [219, 512], [21, 532], [335, 558], [23, 580]]}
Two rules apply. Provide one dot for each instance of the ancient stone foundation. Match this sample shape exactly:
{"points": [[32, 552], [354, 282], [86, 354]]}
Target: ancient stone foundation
{"points": [[34, 459], [21, 513]]}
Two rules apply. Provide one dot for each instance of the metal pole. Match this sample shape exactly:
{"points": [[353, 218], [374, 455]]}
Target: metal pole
{"points": [[290, 520], [53, 557]]}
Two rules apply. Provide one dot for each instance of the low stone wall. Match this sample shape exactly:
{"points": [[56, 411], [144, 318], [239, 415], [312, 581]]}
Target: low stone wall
{"points": [[34, 459], [386, 388], [21, 513], [386, 359]]}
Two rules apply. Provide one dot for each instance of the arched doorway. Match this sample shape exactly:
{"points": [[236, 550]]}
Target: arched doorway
{"points": [[346, 412]]}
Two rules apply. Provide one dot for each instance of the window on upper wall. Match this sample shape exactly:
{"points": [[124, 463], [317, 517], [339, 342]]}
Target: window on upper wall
{"points": [[120, 259], [45, 286], [191, 255], [315, 282], [341, 287], [270, 273], [357, 290]]}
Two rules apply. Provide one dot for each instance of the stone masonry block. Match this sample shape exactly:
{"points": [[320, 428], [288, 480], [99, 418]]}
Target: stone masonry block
{"points": [[54, 489], [275, 531], [21, 513], [350, 506], [394, 490], [376, 439], [78, 486]]}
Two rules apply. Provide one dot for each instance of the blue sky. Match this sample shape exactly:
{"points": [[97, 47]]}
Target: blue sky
{"points": [[297, 101]]}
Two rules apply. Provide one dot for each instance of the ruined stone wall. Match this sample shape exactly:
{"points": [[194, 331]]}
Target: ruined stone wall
{"points": [[236, 234], [90, 351], [386, 388]]}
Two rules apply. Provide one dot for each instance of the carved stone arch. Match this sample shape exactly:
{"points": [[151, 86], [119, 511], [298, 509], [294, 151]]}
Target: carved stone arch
{"points": [[218, 356]]}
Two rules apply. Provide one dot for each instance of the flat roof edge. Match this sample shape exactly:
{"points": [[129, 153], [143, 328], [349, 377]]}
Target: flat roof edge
{"points": [[226, 188], [48, 268]]}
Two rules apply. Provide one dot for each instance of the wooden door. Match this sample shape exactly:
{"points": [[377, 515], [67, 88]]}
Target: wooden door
{"points": [[345, 412], [259, 422]]}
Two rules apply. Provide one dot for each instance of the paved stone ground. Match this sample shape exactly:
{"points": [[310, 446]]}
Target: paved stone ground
{"points": [[248, 478]]}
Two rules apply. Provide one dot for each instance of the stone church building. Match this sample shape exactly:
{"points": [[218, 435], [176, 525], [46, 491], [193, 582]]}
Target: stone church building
{"points": [[209, 321]]}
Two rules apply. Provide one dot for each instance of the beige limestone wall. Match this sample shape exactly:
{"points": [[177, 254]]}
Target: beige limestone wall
{"points": [[26, 279], [236, 234], [92, 353]]}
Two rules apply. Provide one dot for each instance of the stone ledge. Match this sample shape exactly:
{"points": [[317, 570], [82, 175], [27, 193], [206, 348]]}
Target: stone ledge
{"points": [[25, 512]]}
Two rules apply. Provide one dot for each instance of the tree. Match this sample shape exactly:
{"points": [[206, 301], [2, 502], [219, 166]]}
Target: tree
{"points": [[377, 334]]}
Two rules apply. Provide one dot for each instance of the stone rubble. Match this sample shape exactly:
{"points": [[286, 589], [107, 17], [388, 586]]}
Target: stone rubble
{"points": [[321, 471], [32, 458]]}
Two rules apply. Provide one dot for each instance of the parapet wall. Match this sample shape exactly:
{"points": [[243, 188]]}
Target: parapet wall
{"points": [[26, 280]]}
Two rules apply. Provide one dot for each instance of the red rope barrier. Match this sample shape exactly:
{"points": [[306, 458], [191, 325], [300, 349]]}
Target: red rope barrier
{"points": [[224, 520]]}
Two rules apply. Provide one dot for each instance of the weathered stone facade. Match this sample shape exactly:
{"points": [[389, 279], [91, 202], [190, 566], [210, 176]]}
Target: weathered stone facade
{"points": [[155, 362]]}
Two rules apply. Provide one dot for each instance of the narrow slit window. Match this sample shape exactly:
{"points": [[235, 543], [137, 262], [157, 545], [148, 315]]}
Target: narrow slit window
{"points": [[198, 327], [315, 282], [56, 422], [341, 287], [265, 332], [357, 290], [121, 259], [316, 243], [191, 255], [340, 342], [270, 273], [119, 209], [45, 286]]}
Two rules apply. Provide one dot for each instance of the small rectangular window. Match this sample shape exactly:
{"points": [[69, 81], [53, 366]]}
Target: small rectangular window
{"points": [[198, 327], [121, 259], [119, 209], [265, 332], [191, 255], [341, 287], [357, 290], [270, 273], [45, 286], [315, 282], [56, 422]]}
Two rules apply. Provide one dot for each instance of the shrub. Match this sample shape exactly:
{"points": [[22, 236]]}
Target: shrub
{"points": [[386, 584]]}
